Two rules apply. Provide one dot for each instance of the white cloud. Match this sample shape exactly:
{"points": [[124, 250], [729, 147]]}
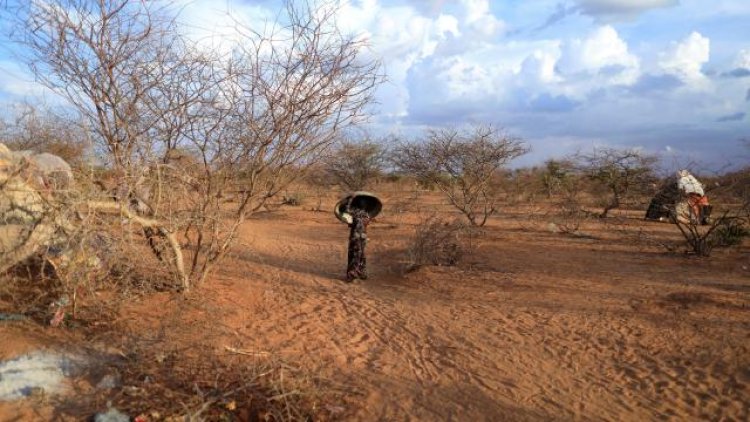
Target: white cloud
{"points": [[403, 36], [454, 62], [546, 75], [447, 24], [464, 79], [539, 67], [399, 36], [601, 48], [475, 9], [216, 26], [602, 57], [742, 61], [479, 19], [686, 58], [355, 17]]}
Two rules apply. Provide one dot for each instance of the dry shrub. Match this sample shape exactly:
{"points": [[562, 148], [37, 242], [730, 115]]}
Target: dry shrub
{"points": [[208, 386], [557, 176], [727, 230], [84, 280], [566, 216], [90, 264], [72, 299], [731, 233], [19, 295], [440, 242], [569, 215], [293, 199]]}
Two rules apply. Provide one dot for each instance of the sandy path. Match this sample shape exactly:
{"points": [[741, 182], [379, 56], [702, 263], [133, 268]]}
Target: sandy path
{"points": [[575, 332], [537, 327]]}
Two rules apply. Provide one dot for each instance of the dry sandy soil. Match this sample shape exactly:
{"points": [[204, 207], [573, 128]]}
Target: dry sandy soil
{"points": [[535, 325]]}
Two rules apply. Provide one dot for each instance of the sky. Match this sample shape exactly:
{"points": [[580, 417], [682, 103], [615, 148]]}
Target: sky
{"points": [[668, 76]]}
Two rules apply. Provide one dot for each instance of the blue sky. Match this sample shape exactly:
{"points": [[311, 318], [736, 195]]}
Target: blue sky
{"points": [[668, 76]]}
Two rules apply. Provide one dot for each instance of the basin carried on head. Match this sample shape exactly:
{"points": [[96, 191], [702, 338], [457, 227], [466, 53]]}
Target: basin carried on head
{"points": [[363, 200]]}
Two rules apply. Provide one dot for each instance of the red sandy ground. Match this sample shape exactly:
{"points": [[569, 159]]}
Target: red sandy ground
{"points": [[535, 325]]}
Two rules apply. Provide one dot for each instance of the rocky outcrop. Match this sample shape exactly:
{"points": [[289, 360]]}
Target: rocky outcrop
{"points": [[31, 187]]}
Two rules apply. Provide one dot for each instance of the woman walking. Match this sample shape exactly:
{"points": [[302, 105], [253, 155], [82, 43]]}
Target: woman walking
{"points": [[357, 210], [357, 261]]}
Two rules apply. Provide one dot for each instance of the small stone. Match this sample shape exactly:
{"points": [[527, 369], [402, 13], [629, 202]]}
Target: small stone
{"points": [[112, 415], [131, 390], [108, 382]]}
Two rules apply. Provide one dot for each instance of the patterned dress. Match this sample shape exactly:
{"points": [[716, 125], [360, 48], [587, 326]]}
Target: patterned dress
{"points": [[356, 262]]}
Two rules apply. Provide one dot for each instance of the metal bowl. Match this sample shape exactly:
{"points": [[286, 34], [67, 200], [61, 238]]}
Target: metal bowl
{"points": [[363, 200]]}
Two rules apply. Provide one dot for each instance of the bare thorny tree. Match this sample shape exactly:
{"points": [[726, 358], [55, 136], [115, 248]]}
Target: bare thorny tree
{"points": [[31, 127], [355, 164], [198, 142], [463, 165], [620, 172], [558, 177]]}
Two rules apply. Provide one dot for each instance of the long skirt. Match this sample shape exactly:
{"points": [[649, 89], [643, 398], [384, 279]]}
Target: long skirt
{"points": [[356, 261]]}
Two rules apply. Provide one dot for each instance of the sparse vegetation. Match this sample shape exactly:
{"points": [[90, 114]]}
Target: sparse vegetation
{"points": [[437, 241], [41, 129], [174, 148], [728, 229], [354, 165], [250, 122], [462, 165], [557, 177], [731, 232], [619, 173], [294, 199], [569, 215]]}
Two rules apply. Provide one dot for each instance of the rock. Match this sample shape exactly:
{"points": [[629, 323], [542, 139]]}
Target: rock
{"points": [[108, 382], [133, 391], [29, 183], [32, 374], [112, 415], [54, 172]]}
